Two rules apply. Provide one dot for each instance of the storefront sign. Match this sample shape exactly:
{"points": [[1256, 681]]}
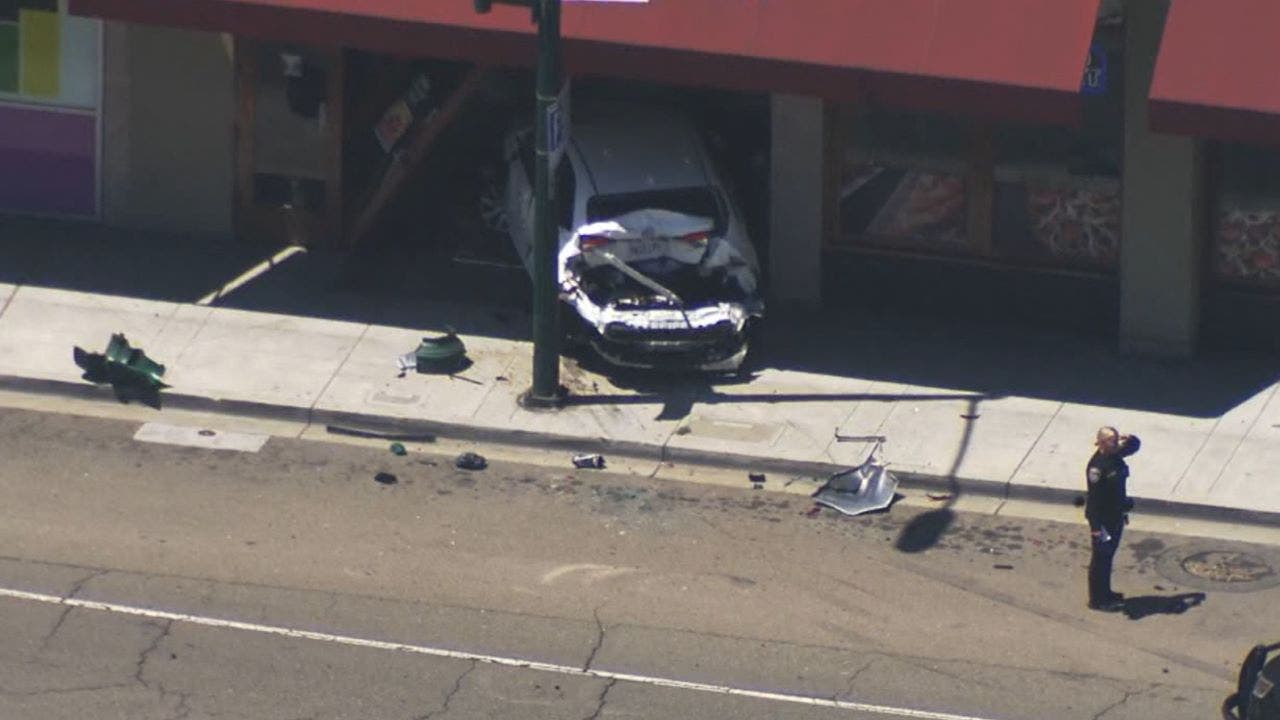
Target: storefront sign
{"points": [[558, 125], [416, 103], [1095, 72]]}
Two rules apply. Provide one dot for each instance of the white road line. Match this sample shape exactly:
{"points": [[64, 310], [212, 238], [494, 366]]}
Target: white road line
{"points": [[167, 434], [478, 657]]}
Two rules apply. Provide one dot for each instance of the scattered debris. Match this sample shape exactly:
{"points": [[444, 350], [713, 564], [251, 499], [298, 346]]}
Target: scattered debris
{"points": [[938, 496], [386, 478], [398, 449], [1002, 567], [444, 354], [464, 378], [501, 378], [684, 430], [471, 461], [877, 439], [589, 461], [813, 511], [421, 437], [861, 489], [126, 368]]}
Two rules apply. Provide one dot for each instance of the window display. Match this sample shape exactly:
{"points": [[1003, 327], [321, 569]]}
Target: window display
{"points": [[1031, 195], [50, 81], [1246, 232], [903, 183]]}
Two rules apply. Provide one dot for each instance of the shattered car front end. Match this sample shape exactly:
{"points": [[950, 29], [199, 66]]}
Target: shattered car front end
{"points": [[657, 288]]}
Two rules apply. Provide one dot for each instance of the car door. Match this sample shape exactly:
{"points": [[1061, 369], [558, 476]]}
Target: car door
{"points": [[520, 195]]}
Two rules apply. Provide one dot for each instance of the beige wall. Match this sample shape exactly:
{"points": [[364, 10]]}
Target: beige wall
{"points": [[796, 201], [1165, 204], [168, 111]]}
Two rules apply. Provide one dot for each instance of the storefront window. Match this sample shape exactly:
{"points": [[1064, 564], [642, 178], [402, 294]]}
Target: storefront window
{"points": [[903, 183], [50, 82], [1246, 233], [1057, 189], [1033, 195]]}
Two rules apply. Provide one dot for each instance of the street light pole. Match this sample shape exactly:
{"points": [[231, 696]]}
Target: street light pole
{"points": [[546, 391], [546, 332]]}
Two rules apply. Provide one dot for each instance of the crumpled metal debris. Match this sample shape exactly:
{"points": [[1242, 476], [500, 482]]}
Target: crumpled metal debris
{"points": [[867, 487], [127, 369], [445, 354], [471, 461], [589, 461]]}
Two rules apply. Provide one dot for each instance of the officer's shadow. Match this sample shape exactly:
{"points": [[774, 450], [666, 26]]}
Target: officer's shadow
{"points": [[1136, 608]]}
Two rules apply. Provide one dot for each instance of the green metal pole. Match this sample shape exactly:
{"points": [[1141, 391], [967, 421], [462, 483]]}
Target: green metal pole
{"points": [[546, 335]]}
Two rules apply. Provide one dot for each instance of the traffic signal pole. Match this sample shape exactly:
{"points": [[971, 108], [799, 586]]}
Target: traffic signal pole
{"points": [[545, 391]]}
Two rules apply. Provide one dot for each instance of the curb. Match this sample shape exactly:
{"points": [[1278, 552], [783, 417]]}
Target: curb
{"points": [[658, 453]]}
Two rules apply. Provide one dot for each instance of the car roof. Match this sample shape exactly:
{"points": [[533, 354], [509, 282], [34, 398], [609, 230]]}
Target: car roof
{"points": [[633, 147]]}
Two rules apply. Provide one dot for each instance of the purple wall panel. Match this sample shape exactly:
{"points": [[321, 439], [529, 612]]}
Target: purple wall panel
{"points": [[47, 161]]}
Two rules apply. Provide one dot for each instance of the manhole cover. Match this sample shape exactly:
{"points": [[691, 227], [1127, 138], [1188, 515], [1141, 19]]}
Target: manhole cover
{"points": [[1220, 566], [1227, 567]]}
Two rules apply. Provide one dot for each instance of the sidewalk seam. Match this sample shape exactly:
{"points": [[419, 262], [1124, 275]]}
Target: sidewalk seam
{"points": [[646, 451], [1205, 443], [8, 300], [311, 409], [1008, 485], [1243, 437]]}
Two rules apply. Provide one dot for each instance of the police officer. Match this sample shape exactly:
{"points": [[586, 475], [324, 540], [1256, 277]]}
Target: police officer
{"points": [[1107, 510]]}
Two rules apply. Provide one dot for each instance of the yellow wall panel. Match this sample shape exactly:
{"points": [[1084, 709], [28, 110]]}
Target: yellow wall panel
{"points": [[39, 36]]}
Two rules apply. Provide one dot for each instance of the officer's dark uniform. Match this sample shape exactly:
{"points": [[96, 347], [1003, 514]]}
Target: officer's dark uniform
{"points": [[1105, 510]]}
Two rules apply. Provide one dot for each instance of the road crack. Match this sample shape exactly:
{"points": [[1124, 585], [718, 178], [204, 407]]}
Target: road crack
{"points": [[61, 690], [604, 694], [145, 655], [79, 584], [448, 698], [1128, 695], [591, 658], [848, 690], [62, 618]]}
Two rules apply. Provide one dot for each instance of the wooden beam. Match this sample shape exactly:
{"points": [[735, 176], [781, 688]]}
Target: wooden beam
{"points": [[335, 109], [246, 90], [421, 138]]}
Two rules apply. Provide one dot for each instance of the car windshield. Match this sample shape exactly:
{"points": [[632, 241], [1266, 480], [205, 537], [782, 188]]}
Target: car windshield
{"points": [[696, 201]]}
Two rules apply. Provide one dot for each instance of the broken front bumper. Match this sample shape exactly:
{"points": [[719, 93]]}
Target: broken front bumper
{"points": [[721, 347]]}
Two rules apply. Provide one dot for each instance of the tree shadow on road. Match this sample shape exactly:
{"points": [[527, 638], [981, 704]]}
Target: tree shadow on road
{"points": [[1136, 608]]}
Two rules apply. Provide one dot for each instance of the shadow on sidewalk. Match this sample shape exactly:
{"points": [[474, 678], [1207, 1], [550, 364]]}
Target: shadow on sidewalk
{"points": [[400, 283], [1136, 608], [407, 277], [990, 359]]}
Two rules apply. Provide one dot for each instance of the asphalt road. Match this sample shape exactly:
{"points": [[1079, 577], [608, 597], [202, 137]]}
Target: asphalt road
{"points": [[142, 580]]}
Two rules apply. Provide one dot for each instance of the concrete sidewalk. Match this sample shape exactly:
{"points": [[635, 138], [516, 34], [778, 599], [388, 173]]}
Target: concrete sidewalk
{"points": [[1211, 458]]}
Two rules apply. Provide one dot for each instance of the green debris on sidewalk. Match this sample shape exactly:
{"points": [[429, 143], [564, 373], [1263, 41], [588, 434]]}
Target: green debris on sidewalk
{"points": [[124, 367]]}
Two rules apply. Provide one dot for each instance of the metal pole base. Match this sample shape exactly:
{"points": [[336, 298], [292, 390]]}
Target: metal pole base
{"points": [[530, 401]]}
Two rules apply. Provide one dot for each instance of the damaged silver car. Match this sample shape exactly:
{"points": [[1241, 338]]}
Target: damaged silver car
{"points": [[654, 257]]}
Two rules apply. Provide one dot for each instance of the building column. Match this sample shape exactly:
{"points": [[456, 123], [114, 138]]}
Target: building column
{"points": [[1165, 206], [116, 113], [167, 130], [796, 197]]}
